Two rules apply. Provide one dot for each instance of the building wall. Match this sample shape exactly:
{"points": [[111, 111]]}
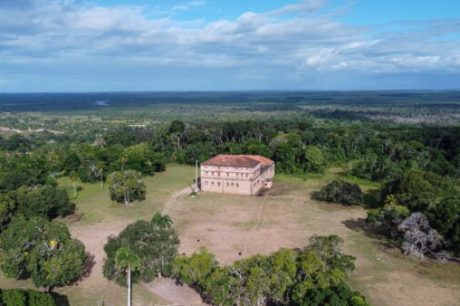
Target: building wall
{"points": [[245, 181]]}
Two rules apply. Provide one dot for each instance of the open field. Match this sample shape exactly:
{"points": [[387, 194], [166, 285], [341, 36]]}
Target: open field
{"points": [[287, 217], [233, 227]]}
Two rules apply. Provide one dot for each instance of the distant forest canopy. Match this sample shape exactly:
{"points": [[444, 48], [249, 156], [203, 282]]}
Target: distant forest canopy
{"points": [[442, 107]]}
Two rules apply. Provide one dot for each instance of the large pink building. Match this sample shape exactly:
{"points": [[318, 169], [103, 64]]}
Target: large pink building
{"points": [[237, 174]]}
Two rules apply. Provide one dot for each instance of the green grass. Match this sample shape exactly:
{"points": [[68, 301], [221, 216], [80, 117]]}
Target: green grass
{"points": [[94, 204]]}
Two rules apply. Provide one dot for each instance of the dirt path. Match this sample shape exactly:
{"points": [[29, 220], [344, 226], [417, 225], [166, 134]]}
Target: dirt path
{"points": [[258, 217], [95, 237], [173, 198], [168, 290]]}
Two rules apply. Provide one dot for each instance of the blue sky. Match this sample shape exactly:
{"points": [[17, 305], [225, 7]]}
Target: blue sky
{"points": [[121, 45]]}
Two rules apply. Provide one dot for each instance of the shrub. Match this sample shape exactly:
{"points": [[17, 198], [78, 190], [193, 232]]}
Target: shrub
{"points": [[14, 297], [42, 201], [340, 192], [20, 297], [37, 298]]}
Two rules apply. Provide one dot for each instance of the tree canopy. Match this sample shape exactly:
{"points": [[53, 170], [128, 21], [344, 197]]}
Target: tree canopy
{"points": [[314, 275], [126, 187], [41, 250], [155, 242], [342, 192]]}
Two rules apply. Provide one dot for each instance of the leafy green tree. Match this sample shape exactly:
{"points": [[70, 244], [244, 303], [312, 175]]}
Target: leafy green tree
{"points": [[16, 297], [177, 126], [42, 201], [127, 261], [388, 217], [196, 268], [7, 208], [72, 163], [315, 274], [415, 189], [445, 217], [155, 242], [255, 147], [126, 187], [337, 295], [376, 168], [340, 192], [21, 297], [17, 171], [37, 298], [17, 142], [283, 274], [285, 158], [41, 250], [141, 158], [315, 159]]}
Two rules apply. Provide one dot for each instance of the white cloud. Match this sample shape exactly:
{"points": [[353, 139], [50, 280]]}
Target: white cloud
{"points": [[189, 5], [295, 37]]}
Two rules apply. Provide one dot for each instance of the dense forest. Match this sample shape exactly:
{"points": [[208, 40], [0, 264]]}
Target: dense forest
{"points": [[417, 167]]}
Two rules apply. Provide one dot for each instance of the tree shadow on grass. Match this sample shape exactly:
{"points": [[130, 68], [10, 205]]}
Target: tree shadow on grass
{"points": [[89, 264], [360, 225], [60, 299]]}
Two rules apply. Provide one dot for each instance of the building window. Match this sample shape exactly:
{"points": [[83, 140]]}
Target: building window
{"points": [[212, 183], [218, 184], [232, 184], [227, 185], [237, 185], [228, 174]]}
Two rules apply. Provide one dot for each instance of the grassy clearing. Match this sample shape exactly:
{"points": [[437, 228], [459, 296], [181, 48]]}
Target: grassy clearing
{"points": [[95, 206]]}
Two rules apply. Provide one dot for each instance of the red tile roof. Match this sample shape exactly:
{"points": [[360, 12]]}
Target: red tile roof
{"points": [[238, 161]]}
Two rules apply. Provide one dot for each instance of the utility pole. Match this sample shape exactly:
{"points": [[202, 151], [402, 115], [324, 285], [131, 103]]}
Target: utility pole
{"points": [[196, 175]]}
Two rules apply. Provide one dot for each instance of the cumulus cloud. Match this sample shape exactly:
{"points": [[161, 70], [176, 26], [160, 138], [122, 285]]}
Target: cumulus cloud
{"points": [[296, 38]]}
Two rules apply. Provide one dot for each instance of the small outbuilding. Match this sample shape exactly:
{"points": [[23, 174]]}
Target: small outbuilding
{"points": [[237, 174]]}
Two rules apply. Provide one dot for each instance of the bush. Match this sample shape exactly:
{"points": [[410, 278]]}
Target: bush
{"points": [[14, 297], [20, 297], [42, 201], [37, 298], [339, 295], [340, 192]]}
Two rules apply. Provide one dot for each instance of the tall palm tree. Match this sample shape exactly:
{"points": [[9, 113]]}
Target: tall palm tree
{"points": [[126, 260]]}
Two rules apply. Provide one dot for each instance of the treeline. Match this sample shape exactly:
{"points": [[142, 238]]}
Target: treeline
{"points": [[313, 275], [381, 151], [20, 297]]}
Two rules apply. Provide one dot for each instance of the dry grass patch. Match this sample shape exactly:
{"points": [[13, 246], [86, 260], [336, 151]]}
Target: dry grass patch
{"points": [[233, 227]]}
